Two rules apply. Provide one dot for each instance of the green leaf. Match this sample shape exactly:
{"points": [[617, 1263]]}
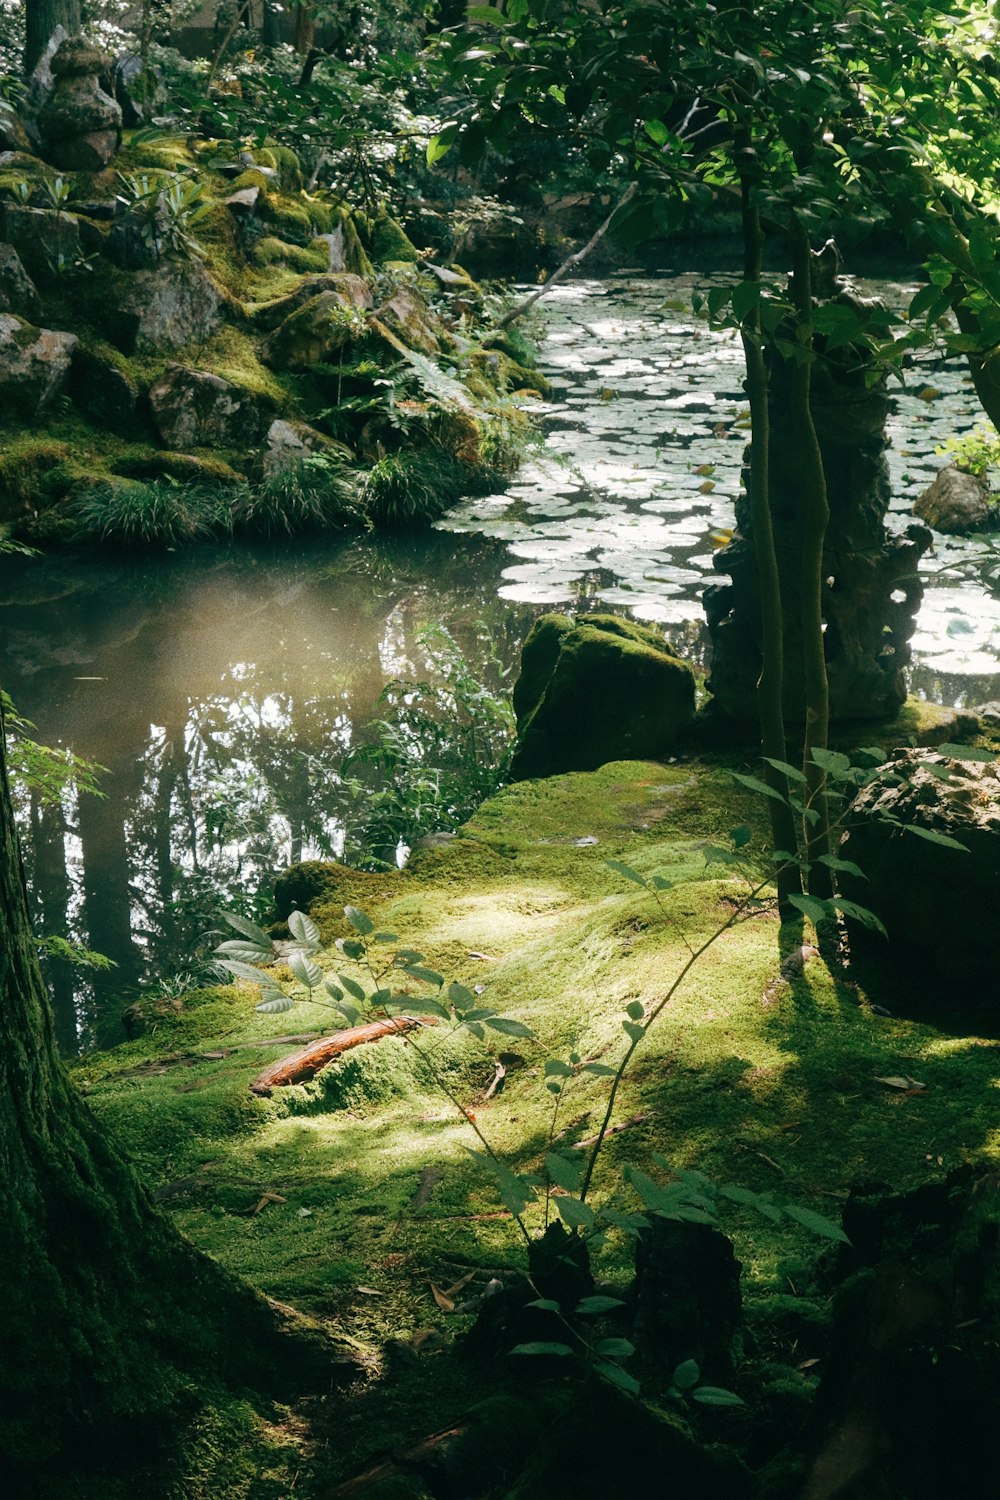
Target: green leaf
{"points": [[544, 1304], [860, 914], [515, 1192], [351, 986], [714, 1395], [275, 1004], [614, 1348], [833, 762], [461, 998], [657, 132], [633, 1030], [686, 1375], [933, 837], [842, 866], [508, 1027], [565, 1171], [486, 15], [816, 1222], [574, 1213], [754, 784], [812, 907], [351, 948], [246, 971], [714, 854], [792, 772], [244, 951], [591, 1306], [554, 1068], [635, 1010], [305, 971], [746, 297], [600, 1070], [303, 929], [543, 1348], [661, 883], [421, 1005], [385, 937], [627, 871], [333, 989], [359, 920], [426, 976], [965, 752], [249, 929], [617, 1376], [741, 836]]}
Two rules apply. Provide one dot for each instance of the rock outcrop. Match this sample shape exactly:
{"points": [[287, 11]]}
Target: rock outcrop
{"points": [[34, 364], [954, 502], [80, 125], [903, 829], [596, 689], [195, 409]]}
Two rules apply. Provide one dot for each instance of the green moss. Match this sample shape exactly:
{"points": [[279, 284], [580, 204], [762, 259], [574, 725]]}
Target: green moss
{"points": [[356, 257], [389, 242], [303, 258], [232, 354], [169, 154], [289, 167]]}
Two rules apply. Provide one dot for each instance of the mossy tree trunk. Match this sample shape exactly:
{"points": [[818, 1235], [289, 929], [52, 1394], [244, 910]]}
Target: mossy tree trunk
{"points": [[114, 1327], [770, 684]]}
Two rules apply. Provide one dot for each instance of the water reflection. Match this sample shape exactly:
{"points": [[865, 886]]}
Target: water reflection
{"points": [[221, 690]]}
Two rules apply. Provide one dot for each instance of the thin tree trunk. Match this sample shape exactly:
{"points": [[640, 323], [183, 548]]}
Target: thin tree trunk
{"points": [[770, 682], [305, 28], [814, 513]]}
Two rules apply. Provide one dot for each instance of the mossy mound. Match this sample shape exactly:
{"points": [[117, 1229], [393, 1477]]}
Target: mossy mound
{"points": [[597, 689], [347, 1196]]}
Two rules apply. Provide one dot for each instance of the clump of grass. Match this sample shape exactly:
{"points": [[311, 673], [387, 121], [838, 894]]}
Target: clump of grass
{"points": [[314, 493], [414, 486], [150, 513]]}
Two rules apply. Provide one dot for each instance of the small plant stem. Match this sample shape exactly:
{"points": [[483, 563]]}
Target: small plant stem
{"points": [[654, 1015]]}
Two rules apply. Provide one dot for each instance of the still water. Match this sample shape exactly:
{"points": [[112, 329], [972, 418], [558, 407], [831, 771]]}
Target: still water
{"points": [[221, 687]]}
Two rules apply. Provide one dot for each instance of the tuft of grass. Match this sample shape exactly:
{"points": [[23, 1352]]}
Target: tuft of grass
{"points": [[153, 513], [315, 493], [414, 486]]}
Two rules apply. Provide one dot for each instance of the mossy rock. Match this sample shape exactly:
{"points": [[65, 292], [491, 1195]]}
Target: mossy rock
{"points": [[389, 242], [271, 250], [601, 689], [329, 884]]}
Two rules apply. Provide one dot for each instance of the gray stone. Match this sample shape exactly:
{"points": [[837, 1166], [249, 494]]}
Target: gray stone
{"points": [[597, 689], [13, 136], [334, 243], [80, 125], [139, 91], [166, 308], [18, 293], [34, 364], [103, 391], [44, 238], [407, 315], [195, 409], [955, 502], [42, 82], [929, 895], [288, 444], [243, 203]]}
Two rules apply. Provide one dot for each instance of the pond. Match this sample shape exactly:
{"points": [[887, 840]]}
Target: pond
{"points": [[221, 687]]}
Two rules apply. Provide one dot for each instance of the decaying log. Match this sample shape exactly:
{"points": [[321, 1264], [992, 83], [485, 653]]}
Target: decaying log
{"points": [[415, 1460], [301, 1066]]}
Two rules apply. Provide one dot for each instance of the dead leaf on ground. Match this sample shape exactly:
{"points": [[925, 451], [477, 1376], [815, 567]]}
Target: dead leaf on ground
{"points": [[451, 1290], [486, 958], [266, 1198], [369, 1291], [443, 1301], [901, 1081]]}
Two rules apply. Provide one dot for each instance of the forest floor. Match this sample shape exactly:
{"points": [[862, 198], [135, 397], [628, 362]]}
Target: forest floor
{"points": [[353, 1197]]}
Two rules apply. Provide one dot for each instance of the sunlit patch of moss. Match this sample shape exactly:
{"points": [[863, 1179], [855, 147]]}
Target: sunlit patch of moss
{"points": [[304, 258]]}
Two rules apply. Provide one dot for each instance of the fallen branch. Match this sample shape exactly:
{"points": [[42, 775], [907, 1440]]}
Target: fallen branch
{"points": [[409, 1461], [614, 1130], [570, 263], [301, 1066]]}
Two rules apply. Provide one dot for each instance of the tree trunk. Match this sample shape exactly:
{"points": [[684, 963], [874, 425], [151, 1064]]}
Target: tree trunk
{"points": [[114, 1327], [814, 514], [270, 29], [770, 683], [41, 19], [305, 28]]}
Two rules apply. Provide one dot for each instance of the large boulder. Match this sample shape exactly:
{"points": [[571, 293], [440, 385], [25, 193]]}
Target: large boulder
{"points": [[288, 444], [407, 315], [166, 308], [902, 828], [195, 409], [315, 333], [954, 502], [34, 364], [597, 689], [18, 293], [104, 391]]}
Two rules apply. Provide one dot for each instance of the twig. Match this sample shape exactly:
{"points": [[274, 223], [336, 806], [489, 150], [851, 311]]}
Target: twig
{"points": [[615, 1130]]}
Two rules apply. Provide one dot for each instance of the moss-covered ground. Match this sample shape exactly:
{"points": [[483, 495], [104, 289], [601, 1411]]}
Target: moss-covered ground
{"points": [[349, 1196]]}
